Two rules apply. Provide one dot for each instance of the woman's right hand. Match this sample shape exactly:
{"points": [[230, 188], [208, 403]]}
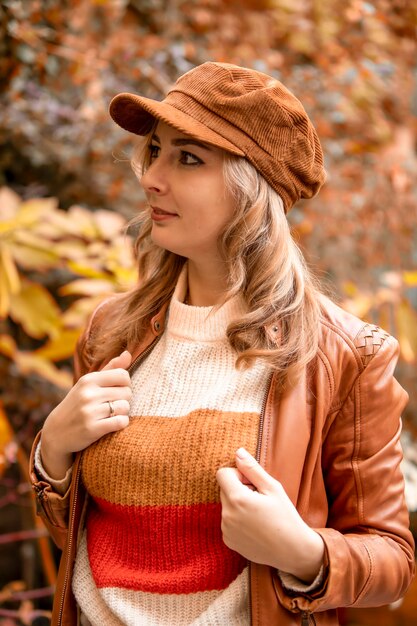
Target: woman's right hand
{"points": [[83, 416]]}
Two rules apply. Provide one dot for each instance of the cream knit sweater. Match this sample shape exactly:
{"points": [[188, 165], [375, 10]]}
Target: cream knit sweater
{"points": [[152, 553]]}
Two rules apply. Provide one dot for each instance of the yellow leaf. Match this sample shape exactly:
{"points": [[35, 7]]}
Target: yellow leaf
{"points": [[4, 296], [7, 227], [71, 249], [77, 314], [28, 214], [410, 279], [7, 346], [84, 221], [98, 250], [89, 271], [9, 203], [60, 223], [406, 318], [360, 305], [32, 210], [126, 277], [31, 237], [36, 310], [109, 223], [29, 257], [6, 437], [30, 363], [60, 347], [8, 267], [84, 287], [350, 288]]}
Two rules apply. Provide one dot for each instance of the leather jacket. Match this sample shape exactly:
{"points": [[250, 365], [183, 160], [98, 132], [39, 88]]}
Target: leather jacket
{"points": [[332, 440]]}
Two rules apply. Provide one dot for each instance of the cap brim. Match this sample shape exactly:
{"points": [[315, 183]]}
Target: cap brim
{"points": [[137, 115]]}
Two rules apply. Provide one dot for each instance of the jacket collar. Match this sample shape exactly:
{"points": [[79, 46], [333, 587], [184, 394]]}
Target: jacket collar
{"points": [[156, 328]]}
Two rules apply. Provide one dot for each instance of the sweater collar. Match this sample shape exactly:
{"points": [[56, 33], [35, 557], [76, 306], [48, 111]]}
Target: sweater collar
{"points": [[205, 323]]}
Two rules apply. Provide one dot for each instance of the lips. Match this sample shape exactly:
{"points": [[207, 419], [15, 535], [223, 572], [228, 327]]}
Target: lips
{"points": [[159, 211], [159, 215]]}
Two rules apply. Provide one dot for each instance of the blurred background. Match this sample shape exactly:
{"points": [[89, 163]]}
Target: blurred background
{"points": [[67, 194]]}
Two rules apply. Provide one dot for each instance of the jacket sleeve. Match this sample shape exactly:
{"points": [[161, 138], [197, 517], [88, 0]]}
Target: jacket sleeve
{"points": [[369, 548], [51, 506]]}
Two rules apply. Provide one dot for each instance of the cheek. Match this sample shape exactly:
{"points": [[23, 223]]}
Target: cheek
{"points": [[212, 208]]}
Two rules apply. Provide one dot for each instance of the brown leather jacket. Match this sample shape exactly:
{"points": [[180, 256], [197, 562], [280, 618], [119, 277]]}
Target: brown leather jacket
{"points": [[333, 442]]}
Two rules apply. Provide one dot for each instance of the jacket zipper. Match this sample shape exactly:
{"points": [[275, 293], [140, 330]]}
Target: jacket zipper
{"points": [[40, 497], [71, 529], [257, 457], [143, 355], [262, 419], [135, 363], [307, 618]]}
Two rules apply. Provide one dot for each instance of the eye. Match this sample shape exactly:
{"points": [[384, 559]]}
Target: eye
{"points": [[153, 151], [187, 158]]}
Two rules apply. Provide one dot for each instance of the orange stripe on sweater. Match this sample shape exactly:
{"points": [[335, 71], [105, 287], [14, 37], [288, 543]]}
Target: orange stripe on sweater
{"points": [[162, 549], [163, 460]]}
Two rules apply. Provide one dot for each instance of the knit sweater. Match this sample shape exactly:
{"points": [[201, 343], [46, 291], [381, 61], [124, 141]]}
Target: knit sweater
{"points": [[152, 552]]}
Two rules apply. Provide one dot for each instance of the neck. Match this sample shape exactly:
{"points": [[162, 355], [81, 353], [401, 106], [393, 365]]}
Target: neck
{"points": [[206, 285]]}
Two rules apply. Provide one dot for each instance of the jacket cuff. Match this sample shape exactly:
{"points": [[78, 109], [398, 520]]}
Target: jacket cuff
{"points": [[294, 584], [52, 506], [60, 486]]}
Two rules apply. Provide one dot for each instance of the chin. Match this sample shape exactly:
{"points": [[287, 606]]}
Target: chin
{"points": [[162, 242]]}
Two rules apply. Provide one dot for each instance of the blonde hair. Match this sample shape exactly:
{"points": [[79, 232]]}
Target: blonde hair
{"points": [[264, 265]]}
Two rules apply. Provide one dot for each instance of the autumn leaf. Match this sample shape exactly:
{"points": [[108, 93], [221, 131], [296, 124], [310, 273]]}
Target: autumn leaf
{"points": [[406, 321], [85, 287], [32, 210], [9, 278], [7, 346], [27, 214], [71, 250], [350, 288], [410, 279], [84, 222], [89, 269], [29, 255], [77, 314], [359, 305], [36, 310], [6, 437], [109, 223], [4, 296], [9, 204], [29, 363], [61, 347]]}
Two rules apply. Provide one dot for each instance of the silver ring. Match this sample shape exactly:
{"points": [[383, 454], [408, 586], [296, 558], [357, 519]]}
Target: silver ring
{"points": [[112, 413]]}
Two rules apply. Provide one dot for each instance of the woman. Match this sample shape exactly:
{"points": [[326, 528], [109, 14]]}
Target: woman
{"points": [[239, 432]]}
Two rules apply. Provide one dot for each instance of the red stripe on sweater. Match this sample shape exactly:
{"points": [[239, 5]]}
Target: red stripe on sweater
{"points": [[160, 549]]}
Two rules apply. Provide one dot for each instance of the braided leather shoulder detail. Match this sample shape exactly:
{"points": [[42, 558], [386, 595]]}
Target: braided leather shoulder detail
{"points": [[368, 341]]}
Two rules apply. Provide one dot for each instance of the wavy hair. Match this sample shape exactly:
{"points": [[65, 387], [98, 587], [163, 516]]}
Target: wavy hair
{"points": [[264, 265]]}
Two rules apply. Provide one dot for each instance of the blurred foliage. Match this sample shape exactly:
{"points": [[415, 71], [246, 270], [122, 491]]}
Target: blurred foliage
{"points": [[67, 189], [40, 247], [55, 266]]}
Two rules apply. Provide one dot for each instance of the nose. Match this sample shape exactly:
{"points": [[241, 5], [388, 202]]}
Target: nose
{"points": [[154, 180]]}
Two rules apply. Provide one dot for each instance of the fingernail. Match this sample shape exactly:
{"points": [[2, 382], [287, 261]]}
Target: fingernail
{"points": [[242, 453], [124, 352]]}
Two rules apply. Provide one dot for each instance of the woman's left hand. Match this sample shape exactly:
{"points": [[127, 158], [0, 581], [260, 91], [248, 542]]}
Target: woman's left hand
{"points": [[263, 525]]}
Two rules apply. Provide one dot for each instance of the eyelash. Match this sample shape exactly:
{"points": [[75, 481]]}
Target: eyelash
{"points": [[184, 155]]}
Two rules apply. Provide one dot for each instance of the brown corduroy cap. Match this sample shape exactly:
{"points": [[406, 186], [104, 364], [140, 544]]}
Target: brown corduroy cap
{"points": [[244, 112]]}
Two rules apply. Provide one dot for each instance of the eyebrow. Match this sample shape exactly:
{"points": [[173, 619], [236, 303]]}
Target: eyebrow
{"points": [[184, 142]]}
